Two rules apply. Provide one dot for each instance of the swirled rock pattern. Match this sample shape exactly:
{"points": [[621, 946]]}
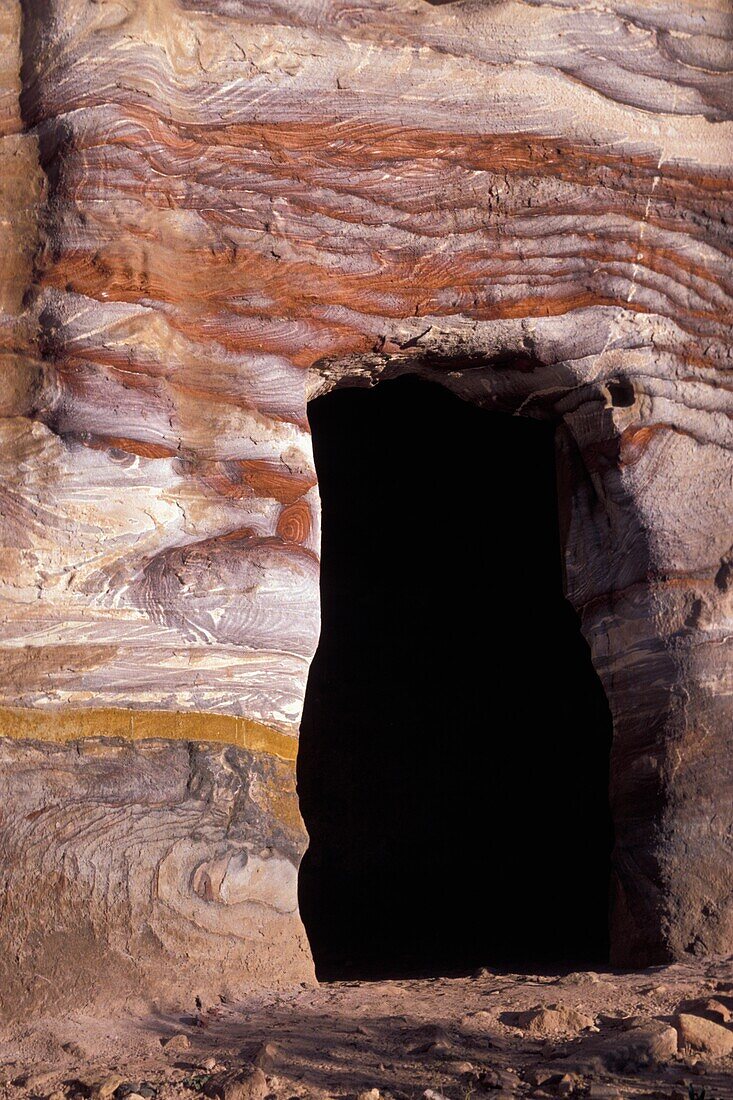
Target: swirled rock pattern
{"points": [[216, 209]]}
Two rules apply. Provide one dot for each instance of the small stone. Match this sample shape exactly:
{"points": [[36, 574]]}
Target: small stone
{"points": [[537, 1076], [580, 977], [368, 1094], [658, 1039], [481, 1020], [74, 1050], [175, 1043], [266, 1056], [501, 1079], [107, 1087], [134, 1096], [38, 1081], [600, 1090], [643, 1043], [58, 1095], [697, 1033], [209, 1064], [433, 1094], [568, 1085], [614, 1019], [710, 1009], [437, 1043], [248, 1083], [488, 1079], [555, 1020], [718, 1012], [462, 1067], [589, 1065]]}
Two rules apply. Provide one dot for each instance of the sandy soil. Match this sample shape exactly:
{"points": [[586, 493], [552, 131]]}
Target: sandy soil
{"points": [[494, 1035]]}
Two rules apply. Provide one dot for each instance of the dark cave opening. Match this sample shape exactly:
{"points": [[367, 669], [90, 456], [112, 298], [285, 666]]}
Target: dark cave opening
{"points": [[453, 765]]}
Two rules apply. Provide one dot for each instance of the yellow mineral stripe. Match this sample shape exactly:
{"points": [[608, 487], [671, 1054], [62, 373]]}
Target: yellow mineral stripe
{"points": [[135, 725]]}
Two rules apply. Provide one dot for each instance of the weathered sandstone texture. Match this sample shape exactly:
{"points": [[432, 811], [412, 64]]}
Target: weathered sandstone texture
{"points": [[215, 209]]}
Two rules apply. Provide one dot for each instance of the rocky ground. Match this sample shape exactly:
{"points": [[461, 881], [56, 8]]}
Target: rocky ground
{"points": [[665, 1032]]}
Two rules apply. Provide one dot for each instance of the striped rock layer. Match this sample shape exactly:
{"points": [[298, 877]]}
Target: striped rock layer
{"points": [[215, 209]]}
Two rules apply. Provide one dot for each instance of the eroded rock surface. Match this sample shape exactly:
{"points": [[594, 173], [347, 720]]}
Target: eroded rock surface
{"points": [[215, 210], [184, 854]]}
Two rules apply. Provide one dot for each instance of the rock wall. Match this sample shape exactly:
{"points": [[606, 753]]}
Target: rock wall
{"points": [[215, 210]]}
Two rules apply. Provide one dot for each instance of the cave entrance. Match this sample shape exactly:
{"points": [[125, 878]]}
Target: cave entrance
{"points": [[454, 754]]}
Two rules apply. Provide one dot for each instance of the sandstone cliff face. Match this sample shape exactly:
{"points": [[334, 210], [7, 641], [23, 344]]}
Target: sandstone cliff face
{"points": [[215, 210]]}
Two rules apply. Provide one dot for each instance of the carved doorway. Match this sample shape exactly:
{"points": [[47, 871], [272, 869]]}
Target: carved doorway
{"points": [[453, 767]]}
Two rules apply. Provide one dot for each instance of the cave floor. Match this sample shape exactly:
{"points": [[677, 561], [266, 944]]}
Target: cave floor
{"points": [[494, 1035]]}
